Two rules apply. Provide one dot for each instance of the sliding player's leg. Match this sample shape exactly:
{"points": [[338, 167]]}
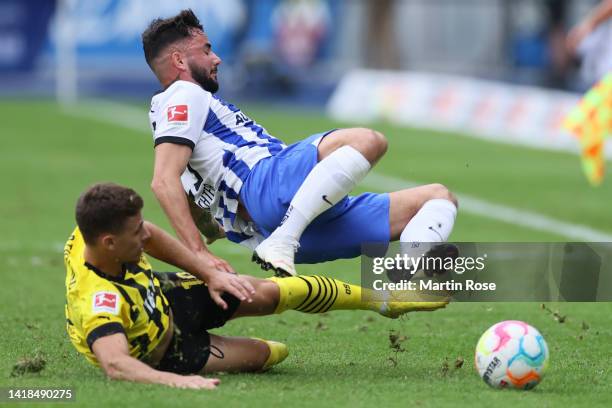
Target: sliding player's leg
{"points": [[194, 310], [320, 294], [194, 313], [343, 157], [307, 294]]}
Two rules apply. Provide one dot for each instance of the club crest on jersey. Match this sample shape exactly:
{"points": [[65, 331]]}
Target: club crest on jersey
{"points": [[106, 302], [178, 114]]}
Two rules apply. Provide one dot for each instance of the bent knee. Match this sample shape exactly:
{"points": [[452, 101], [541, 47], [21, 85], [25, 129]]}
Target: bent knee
{"points": [[440, 191], [377, 140], [371, 140], [370, 143]]}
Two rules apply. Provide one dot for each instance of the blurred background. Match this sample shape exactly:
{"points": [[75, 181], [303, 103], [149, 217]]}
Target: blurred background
{"points": [[297, 49]]}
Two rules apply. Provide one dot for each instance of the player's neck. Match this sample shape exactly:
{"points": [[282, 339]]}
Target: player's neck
{"points": [[170, 80], [103, 262]]}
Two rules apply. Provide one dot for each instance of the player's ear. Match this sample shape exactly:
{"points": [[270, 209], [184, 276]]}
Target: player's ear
{"points": [[108, 242], [177, 60]]}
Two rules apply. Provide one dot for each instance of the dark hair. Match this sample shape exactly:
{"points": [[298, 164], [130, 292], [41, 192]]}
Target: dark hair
{"points": [[162, 32], [104, 208]]}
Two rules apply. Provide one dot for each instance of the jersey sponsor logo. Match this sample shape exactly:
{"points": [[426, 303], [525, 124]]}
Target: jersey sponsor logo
{"points": [[324, 197], [178, 113], [106, 302], [206, 197], [201, 193]]}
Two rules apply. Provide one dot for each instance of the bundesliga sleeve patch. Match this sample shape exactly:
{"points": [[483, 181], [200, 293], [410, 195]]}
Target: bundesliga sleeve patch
{"points": [[106, 302], [178, 114]]}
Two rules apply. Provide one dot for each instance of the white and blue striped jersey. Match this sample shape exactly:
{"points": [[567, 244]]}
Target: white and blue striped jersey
{"points": [[225, 143]]}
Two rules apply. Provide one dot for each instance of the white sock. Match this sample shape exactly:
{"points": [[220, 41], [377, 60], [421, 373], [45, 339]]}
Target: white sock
{"points": [[431, 224], [326, 184]]}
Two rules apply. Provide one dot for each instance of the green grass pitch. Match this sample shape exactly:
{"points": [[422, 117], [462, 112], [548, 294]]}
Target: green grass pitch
{"points": [[339, 359]]}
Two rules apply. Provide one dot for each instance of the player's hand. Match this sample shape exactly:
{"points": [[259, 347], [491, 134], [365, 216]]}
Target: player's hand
{"points": [[219, 264], [238, 286], [194, 382], [210, 264]]}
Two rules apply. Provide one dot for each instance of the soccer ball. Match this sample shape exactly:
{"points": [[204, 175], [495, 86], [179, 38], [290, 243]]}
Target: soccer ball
{"points": [[511, 354]]}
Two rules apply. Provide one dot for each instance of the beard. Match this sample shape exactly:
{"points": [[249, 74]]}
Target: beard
{"points": [[204, 79]]}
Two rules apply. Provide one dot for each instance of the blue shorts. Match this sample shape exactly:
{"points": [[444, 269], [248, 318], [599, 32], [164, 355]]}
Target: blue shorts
{"points": [[336, 233]]}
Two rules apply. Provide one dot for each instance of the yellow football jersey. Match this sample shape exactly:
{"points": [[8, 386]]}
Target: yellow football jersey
{"points": [[98, 305]]}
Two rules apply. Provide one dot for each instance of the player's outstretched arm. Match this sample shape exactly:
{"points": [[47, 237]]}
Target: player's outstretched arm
{"points": [[170, 162], [166, 248], [113, 355]]}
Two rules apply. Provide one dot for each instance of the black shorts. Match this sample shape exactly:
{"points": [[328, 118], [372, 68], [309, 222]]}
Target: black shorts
{"points": [[194, 313]]}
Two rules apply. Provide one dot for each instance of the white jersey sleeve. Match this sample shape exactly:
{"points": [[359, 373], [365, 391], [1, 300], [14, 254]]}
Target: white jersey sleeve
{"points": [[178, 114]]}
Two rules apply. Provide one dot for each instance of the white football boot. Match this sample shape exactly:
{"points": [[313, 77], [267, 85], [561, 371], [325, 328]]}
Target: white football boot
{"points": [[277, 254]]}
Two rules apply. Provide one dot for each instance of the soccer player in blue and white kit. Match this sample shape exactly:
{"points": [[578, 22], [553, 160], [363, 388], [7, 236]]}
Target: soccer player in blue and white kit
{"points": [[288, 203]]}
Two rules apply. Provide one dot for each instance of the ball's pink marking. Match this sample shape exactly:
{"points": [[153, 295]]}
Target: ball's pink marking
{"points": [[503, 336]]}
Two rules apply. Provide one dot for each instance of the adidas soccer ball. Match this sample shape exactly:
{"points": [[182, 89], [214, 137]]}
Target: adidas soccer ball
{"points": [[511, 354]]}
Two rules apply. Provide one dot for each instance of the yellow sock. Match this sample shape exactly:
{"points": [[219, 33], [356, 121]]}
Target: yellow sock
{"points": [[278, 353], [319, 294]]}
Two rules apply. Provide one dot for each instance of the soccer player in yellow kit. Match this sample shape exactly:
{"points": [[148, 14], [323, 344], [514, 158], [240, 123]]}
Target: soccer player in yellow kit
{"points": [[151, 327]]}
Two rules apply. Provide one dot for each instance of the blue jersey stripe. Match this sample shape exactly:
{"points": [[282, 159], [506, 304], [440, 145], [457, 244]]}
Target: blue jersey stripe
{"points": [[229, 106], [274, 148], [214, 126], [229, 192], [240, 168], [251, 125], [227, 214], [237, 237], [260, 133]]}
